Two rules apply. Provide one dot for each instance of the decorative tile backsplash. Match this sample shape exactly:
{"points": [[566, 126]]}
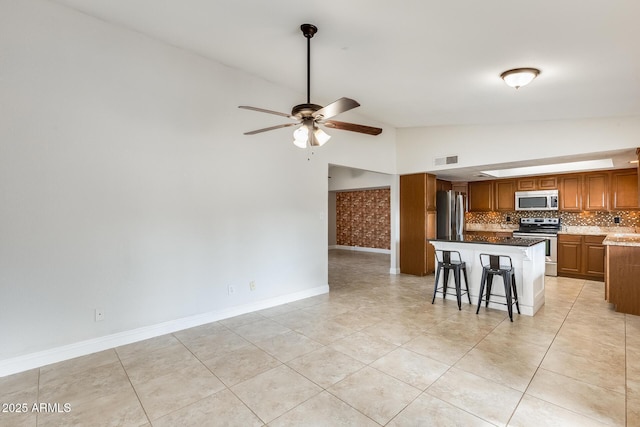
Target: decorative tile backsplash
{"points": [[585, 218], [363, 218]]}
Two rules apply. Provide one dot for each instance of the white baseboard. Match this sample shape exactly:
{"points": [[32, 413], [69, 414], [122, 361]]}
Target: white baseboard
{"points": [[83, 348], [394, 271], [361, 249]]}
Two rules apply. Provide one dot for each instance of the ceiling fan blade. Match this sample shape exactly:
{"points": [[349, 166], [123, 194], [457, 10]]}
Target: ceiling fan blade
{"points": [[369, 130], [253, 132], [262, 110], [336, 107]]}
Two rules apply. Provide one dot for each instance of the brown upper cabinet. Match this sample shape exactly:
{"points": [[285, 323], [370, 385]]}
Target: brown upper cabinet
{"points": [[570, 193], [596, 191], [577, 192], [623, 190], [537, 183], [442, 185], [480, 196], [505, 195]]}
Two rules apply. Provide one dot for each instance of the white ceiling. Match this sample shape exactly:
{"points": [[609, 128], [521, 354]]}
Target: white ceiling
{"points": [[415, 62]]}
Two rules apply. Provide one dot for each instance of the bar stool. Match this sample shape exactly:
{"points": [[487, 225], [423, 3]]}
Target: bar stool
{"points": [[446, 263], [497, 265]]}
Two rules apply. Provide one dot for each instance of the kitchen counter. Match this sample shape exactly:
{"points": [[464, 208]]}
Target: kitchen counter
{"points": [[622, 239], [527, 256], [489, 240], [595, 230]]}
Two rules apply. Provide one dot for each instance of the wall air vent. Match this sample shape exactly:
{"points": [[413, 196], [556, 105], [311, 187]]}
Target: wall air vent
{"points": [[449, 160]]}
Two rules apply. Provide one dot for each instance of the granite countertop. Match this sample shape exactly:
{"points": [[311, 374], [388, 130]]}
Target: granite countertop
{"points": [[596, 231], [622, 239], [504, 241]]}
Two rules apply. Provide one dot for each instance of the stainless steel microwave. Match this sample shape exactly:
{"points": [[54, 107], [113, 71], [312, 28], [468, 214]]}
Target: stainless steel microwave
{"points": [[543, 200]]}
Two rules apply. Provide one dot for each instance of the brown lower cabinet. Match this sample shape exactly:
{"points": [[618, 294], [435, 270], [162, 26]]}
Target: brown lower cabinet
{"points": [[622, 287], [581, 257]]}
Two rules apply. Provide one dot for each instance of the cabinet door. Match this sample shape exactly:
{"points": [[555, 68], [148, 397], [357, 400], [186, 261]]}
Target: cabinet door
{"points": [[569, 254], [624, 190], [594, 256], [527, 184], [596, 192], [570, 193], [505, 195], [480, 196], [548, 183], [431, 192], [460, 187], [413, 208], [442, 185]]}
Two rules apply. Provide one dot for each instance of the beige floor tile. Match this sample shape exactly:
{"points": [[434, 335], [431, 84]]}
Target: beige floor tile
{"points": [[607, 373], [526, 352], [412, 368], [72, 367], [533, 412], [243, 319], [442, 349], [483, 398], [147, 346], [84, 386], [375, 394], [288, 346], [323, 410], [324, 331], [363, 347], [325, 366], [176, 389], [213, 345], [220, 409], [121, 408], [595, 402], [394, 332], [19, 419], [427, 410], [275, 392], [21, 387], [240, 365], [633, 403], [260, 330], [502, 367], [144, 366], [358, 319]]}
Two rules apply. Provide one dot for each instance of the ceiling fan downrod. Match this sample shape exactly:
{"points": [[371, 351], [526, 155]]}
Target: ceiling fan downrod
{"points": [[308, 30]]}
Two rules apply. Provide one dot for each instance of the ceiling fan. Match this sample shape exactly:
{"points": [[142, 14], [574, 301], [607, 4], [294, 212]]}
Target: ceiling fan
{"points": [[309, 115]]}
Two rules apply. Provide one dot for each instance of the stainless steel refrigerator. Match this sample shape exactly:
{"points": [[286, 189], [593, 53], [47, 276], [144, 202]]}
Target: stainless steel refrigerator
{"points": [[451, 206]]}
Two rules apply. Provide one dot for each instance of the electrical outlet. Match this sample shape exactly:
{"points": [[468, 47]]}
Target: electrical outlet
{"points": [[99, 314], [616, 219], [252, 285], [232, 290], [508, 219]]}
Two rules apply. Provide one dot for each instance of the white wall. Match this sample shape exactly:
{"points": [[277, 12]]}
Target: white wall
{"points": [[126, 184], [342, 178], [481, 145]]}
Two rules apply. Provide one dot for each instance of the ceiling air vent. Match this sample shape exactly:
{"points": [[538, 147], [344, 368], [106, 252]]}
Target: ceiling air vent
{"points": [[449, 160]]}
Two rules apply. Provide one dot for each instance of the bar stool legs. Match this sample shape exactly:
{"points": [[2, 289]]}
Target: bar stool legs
{"points": [[491, 266], [446, 263]]}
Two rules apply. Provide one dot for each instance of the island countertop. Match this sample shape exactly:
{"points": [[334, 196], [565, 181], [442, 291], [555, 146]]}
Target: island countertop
{"points": [[489, 240]]}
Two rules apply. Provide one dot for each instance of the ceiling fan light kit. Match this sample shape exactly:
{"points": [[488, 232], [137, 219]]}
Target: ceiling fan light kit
{"points": [[309, 115], [519, 77]]}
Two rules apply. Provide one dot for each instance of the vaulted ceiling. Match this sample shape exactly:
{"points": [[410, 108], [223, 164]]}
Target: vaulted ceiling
{"points": [[414, 62]]}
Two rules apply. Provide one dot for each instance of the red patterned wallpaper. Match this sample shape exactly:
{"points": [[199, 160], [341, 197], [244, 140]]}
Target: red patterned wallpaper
{"points": [[363, 218]]}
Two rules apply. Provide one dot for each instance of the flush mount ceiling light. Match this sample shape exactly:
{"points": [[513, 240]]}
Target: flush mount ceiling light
{"points": [[519, 77]]}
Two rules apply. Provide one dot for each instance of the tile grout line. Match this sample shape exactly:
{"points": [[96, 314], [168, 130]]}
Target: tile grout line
{"points": [[132, 386]]}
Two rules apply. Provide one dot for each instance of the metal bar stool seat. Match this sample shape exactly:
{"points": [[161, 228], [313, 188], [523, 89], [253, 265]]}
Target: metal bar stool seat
{"points": [[447, 261], [500, 265]]}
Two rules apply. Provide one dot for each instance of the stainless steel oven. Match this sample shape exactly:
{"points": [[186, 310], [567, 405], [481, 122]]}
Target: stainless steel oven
{"points": [[547, 229], [551, 251]]}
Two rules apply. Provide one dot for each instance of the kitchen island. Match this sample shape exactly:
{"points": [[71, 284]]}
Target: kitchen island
{"points": [[527, 255]]}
